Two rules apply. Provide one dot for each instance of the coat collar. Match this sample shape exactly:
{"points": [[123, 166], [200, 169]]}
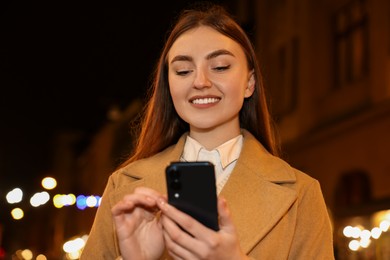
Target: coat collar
{"points": [[254, 196], [149, 172]]}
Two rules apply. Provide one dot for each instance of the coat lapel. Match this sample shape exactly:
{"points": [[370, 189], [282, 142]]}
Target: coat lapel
{"points": [[255, 198], [149, 172]]}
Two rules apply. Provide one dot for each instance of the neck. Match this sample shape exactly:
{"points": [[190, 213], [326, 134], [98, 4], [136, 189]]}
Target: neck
{"points": [[212, 138]]}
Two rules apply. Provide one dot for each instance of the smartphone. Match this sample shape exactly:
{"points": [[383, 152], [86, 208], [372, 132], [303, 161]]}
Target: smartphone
{"points": [[191, 188]]}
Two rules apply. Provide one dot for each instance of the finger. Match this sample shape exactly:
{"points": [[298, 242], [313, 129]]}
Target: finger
{"points": [[191, 225], [147, 192], [129, 202], [121, 207], [140, 199], [225, 221], [185, 244], [175, 251], [175, 231], [178, 216], [175, 239]]}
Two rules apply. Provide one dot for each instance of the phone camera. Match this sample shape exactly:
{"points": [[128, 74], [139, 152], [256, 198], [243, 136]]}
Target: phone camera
{"points": [[175, 179]]}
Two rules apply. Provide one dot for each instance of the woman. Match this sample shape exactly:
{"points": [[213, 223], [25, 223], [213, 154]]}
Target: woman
{"points": [[207, 101]]}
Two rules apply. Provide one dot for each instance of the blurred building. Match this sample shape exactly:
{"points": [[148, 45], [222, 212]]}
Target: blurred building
{"points": [[327, 67], [82, 165]]}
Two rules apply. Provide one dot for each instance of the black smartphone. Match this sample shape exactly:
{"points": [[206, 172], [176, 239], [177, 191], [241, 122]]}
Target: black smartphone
{"points": [[192, 189]]}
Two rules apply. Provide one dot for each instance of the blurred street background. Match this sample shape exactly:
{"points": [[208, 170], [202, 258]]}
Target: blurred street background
{"points": [[73, 76]]}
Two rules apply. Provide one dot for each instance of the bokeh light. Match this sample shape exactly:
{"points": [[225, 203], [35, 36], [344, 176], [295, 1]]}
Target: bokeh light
{"points": [[39, 198], [41, 257], [14, 196], [49, 183], [17, 213], [27, 254]]}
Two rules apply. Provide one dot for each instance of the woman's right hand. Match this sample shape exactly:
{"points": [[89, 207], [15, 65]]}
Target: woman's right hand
{"points": [[138, 226], [199, 241]]}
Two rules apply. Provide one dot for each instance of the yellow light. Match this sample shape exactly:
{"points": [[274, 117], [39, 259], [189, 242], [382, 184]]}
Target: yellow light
{"points": [[57, 201], [41, 257], [27, 254], [17, 213], [73, 255], [70, 199], [49, 183]]}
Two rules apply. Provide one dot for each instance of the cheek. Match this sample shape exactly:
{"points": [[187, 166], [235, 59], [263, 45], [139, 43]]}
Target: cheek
{"points": [[177, 91], [236, 88]]}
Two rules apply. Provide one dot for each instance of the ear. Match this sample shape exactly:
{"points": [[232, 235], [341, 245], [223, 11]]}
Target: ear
{"points": [[251, 84]]}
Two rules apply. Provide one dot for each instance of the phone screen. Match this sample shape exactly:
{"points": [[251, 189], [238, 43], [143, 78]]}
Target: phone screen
{"points": [[192, 189]]}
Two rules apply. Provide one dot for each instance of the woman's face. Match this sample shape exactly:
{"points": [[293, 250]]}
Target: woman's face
{"points": [[208, 80]]}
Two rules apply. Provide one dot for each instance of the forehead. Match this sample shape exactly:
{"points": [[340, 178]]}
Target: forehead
{"points": [[201, 41]]}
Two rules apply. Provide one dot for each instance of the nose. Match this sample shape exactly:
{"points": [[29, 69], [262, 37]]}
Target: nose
{"points": [[201, 79]]}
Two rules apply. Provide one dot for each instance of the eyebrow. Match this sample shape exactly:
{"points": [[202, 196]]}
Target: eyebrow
{"points": [[212, 55]]}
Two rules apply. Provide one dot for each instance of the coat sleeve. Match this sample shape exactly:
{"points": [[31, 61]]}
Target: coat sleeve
{"points": [[102, 242], [313, 237]]}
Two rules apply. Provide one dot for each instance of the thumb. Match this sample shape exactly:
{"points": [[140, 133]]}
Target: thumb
{"points": [[225, 221]]}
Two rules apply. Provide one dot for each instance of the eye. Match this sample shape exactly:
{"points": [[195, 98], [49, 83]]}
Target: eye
{"points": [[182, 72], [221, 68]]}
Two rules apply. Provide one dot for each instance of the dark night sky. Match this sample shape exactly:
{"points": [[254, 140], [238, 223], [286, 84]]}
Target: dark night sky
{"points": [[63, 64]]}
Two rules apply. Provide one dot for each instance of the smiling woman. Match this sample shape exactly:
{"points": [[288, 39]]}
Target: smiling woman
{"points": [[207, 102]]}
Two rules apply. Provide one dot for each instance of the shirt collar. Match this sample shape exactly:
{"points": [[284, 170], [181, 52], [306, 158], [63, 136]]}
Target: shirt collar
{"points": [[228, 151]]}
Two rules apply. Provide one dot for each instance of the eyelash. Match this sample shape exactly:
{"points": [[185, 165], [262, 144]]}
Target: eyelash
{"points": [[222, 68], [219, 68], [182, 72]]}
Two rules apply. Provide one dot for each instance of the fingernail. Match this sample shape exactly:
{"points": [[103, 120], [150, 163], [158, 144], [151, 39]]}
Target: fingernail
{"points": [[161, 202]]}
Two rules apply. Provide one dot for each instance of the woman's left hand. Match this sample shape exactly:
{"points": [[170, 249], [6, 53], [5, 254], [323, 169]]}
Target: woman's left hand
{"points": [[204, 243]]}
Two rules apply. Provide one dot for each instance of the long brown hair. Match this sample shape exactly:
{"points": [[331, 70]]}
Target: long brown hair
{"points": [[161, 126]]}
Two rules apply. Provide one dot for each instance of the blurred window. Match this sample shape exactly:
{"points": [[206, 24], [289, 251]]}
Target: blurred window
{"points": [[351, 43]]}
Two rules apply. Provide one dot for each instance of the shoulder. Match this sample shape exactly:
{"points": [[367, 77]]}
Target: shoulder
{"points": [[149, 166], [270, 167]]}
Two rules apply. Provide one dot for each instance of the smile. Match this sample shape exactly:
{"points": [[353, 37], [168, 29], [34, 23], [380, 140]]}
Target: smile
{"points": [[205, 100]]}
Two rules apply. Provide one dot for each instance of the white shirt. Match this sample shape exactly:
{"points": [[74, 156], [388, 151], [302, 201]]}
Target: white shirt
{"points": [[224, 157]]}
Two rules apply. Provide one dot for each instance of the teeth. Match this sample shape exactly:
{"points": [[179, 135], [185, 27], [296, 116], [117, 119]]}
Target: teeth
{"points": [[205, 100]]}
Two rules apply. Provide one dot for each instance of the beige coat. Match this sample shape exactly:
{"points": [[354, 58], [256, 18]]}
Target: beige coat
{"points": [[279, 212]]}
